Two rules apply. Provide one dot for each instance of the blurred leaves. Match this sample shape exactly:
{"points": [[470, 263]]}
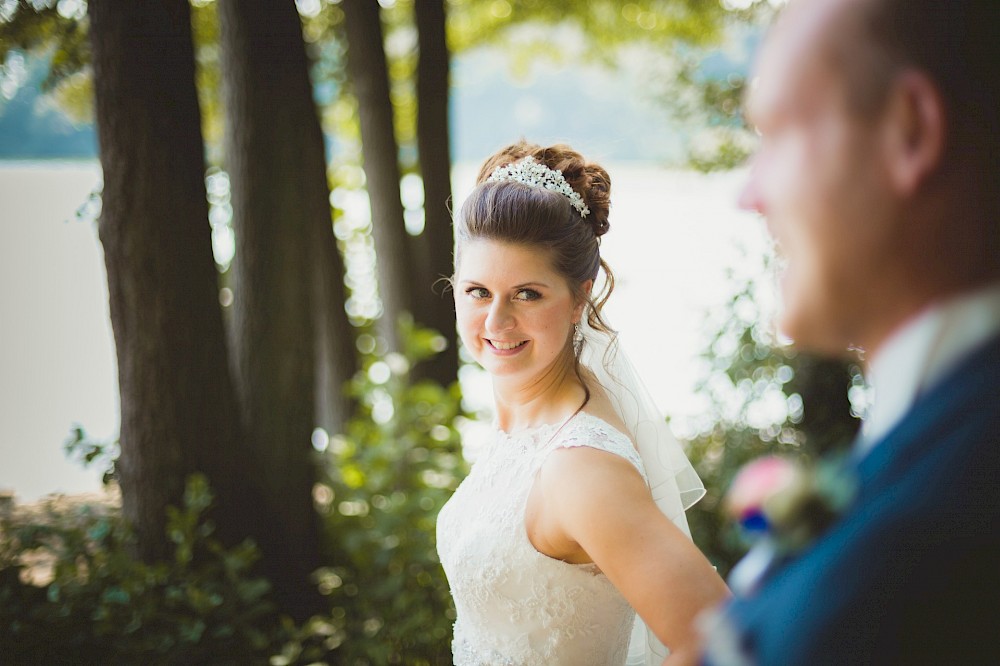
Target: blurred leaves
{"points": [[723, 139], [55, 32], [388, 476], [89, 452], [46, 27], [606, 23]]}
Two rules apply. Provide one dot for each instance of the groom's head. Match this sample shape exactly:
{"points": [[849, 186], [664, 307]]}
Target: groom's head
{"points": [[878, 165]]}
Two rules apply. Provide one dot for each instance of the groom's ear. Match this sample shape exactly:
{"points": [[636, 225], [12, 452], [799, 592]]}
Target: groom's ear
{"points": [[915, 131]]}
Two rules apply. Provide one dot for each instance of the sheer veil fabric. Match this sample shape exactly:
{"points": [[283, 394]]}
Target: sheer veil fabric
{"points": [[674, 484]]}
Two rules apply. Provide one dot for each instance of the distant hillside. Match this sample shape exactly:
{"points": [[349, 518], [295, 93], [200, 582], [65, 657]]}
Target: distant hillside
{"points": [[607, 114]]}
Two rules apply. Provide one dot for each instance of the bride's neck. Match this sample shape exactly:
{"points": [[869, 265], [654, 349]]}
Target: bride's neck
{"points": [[550, 398]]}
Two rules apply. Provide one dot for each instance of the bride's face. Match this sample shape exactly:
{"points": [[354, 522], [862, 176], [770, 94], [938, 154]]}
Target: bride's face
{"points": [[515, 312]]}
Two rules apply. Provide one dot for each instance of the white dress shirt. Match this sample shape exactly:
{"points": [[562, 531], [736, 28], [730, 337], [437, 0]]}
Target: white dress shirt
{"points": [[921, 352]]}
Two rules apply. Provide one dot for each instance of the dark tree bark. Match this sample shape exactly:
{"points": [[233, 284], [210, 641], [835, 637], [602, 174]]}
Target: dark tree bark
{"points": [[369, 76], [435, 306], [281, 216], [177, 407]]}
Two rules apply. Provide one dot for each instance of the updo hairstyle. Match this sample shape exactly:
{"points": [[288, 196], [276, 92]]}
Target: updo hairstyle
{"points": [[513, 212]]}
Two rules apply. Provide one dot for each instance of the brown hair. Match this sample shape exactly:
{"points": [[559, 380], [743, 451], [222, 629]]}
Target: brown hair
{"points": [[513, 212]]}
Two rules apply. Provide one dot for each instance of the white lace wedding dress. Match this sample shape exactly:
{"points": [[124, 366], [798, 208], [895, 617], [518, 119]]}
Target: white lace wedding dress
{"points": [[516, 606]]}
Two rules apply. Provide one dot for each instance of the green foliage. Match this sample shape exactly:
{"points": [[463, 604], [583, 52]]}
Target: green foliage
{"points": [[719, 150], [715, 105], [71, 592], [90, 452], [608, 23], [389, 474], [56, 33], [46, 27]]}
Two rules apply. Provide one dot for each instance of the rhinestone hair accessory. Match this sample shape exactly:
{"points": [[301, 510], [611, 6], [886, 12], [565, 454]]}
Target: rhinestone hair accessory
{"points": [[535, 174]]}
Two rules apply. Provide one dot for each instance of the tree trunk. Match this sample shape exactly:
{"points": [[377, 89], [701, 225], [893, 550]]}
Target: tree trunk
{"points": [[435, 304], [178, 413], [370, 79], [281, 217]]}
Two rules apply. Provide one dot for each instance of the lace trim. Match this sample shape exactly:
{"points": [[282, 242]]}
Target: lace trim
{"points": [[596, 433]]}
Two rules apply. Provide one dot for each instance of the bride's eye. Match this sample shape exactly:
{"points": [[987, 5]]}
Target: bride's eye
{"points": [[477, 292], [528, 295]]}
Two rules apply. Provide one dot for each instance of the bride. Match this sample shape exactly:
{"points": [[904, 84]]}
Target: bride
{"points": [[572, 518]]}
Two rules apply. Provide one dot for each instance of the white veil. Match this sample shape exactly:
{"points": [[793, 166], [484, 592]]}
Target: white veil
{"points": [[674, 483]]}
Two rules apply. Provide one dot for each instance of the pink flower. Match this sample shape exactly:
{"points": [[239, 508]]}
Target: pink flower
{"points": [[754, 484]]}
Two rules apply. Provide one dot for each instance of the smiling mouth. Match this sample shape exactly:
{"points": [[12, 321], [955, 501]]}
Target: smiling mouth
{"points": [[505, 346]]}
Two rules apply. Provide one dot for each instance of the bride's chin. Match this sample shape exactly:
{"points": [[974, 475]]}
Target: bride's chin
{"points": [[500, 372]]}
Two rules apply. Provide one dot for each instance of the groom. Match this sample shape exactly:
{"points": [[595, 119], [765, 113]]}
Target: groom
{"points": [[879, 177]]}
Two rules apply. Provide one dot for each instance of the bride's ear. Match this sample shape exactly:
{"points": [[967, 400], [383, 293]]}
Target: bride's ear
{"points": [[586, 289]]}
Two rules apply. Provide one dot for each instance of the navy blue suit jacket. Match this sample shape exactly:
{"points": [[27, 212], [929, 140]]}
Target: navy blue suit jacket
{"points": [[910, 574]]}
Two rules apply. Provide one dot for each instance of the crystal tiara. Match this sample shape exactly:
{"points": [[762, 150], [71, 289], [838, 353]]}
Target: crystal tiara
{"points": [[536, 174]]}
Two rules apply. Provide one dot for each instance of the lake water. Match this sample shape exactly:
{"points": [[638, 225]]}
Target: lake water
{"points": [[674, 235]]}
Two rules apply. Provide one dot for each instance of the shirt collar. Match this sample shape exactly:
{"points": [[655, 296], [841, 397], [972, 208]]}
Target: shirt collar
{"points": [[921, 351]]}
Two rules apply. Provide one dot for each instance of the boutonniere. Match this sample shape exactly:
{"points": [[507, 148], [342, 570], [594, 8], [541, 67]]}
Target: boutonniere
{"points": [[782, 506]]}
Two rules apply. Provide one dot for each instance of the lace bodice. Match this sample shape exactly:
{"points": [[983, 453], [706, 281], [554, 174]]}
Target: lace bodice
{"points": [[516, 606]]}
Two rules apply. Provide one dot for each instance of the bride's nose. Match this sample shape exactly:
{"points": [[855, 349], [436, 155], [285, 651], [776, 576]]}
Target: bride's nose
{"points": [[499, 318]]}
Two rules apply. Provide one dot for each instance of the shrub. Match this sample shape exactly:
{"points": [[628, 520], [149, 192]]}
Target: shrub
{"points": [[71, 593], [387, 477]]}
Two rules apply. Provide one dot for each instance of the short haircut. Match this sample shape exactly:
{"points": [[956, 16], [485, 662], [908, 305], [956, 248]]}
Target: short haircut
{"points": [[957, 44]]}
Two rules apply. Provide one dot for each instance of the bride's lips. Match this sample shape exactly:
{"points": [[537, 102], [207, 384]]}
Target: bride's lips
{"points": [[505, 347]]}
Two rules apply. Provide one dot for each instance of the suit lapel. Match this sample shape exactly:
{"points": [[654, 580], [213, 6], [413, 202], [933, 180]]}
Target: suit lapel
{"points": [[933, 415]]}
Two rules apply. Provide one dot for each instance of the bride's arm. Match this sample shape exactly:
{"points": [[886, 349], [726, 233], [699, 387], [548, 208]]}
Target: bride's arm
{"points": [[598, 503]]}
